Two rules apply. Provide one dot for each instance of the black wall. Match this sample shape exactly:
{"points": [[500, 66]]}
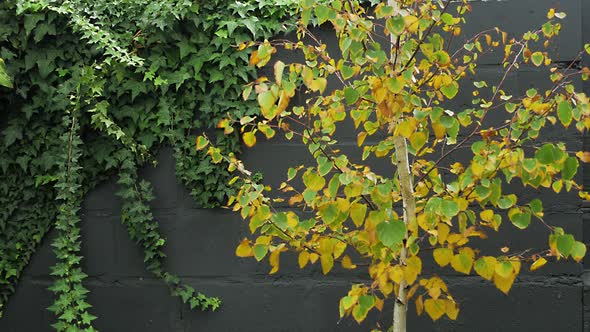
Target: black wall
{"points": [[201, 243]]}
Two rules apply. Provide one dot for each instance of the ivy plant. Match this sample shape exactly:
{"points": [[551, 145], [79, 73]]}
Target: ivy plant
{"points": [[396, 71], [96, 88]]}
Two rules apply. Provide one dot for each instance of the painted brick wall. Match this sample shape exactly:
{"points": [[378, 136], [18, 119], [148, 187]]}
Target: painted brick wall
{"points": [[201, 242]]}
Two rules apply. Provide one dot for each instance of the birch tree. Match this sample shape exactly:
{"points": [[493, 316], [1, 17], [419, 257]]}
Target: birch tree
{"points": [[398, 65]]}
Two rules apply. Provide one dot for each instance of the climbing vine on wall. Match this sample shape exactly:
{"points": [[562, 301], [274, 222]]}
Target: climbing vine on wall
{"points": [[95, 89]]}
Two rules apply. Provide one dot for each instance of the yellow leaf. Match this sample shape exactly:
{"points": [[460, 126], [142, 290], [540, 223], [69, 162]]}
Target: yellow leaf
{"points": [[313, 181], [584, 156], [452, 309], [412, 291], [319, 84], [442, 256], [504, 269], [295, 199], [485, 267], [434, 292], [327, 262], [357, 213], [361, 138], [384, 286], [419, 305], [538, 263], [487, 215], [443, 232], [303, 259], [407, 127], [418, 139], [379, 304], [244, 249], [439, 130], [504, 284], [254, 59], [278, 68], [339, 248], [249, 139], [313, 257], [201, 142], [274, 261], [515, 266], [462, 263], [412, 269], [411, 22], [347, 263], [435, 308], [396, 274]]}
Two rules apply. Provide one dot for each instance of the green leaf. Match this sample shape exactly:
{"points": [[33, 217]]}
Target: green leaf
{"points": [[291, 173], [537, 58], [449, 208], [451, 90], [447, 19], [365, 303], [351, 95], [570, 168], [443, 59], [260, 250], [565, 244], [395, 84], [578, 251], [547, 154], [536, 206], [395, 25], [322, 12], [4, 78], [504, 269], [520, 219], [347, 72], [485, 267], [564, 113], [325, 167], [313, 181], [266, 100], [418, 139], [507, 201], [391, 233]]}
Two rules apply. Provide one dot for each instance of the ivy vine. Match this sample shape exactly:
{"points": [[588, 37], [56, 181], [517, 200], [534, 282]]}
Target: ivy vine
{"points": [[95, 89]]}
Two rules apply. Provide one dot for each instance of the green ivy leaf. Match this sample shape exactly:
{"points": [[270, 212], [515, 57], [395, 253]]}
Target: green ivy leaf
{"points": [[4, 78]]}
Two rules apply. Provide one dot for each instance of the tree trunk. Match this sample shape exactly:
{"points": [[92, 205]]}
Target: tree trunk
{"points": [[409, 204], [400, 308]]}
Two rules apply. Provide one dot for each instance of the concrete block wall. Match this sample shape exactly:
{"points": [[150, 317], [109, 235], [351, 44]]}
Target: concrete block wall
{"points": [[201, 243]]}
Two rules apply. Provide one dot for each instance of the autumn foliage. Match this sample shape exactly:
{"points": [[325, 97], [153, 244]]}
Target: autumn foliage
{"points": [[399, 64]]}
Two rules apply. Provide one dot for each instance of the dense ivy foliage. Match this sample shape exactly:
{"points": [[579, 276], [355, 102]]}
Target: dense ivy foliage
{"points": [[96, 88]]}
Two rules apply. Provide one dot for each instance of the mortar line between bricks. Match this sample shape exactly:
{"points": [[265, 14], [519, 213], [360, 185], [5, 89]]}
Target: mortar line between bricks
{"points": [[545, 281]]}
